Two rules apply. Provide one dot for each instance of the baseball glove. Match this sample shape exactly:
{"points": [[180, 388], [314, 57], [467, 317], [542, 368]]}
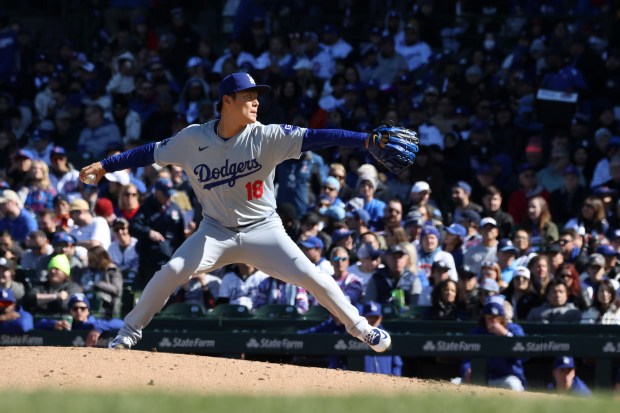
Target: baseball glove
{"points": [[393, 146]]}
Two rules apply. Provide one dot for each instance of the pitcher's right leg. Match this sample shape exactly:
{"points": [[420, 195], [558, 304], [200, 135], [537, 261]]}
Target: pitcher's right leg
{"points": [[200, 252]]}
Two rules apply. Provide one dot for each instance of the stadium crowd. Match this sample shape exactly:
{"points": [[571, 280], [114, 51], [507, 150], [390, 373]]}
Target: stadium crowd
{"points": [[506, 201]]}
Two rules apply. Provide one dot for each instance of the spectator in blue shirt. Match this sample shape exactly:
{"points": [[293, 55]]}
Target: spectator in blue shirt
{"points": [[13, 319], [18, 221], [79, 309], [565, 379], [504, 372], [381, 364]]}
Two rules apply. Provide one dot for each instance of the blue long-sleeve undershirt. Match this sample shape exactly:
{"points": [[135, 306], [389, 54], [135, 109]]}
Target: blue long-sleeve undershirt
{"points": [[313, 139], [141, 156], [321, 138]]}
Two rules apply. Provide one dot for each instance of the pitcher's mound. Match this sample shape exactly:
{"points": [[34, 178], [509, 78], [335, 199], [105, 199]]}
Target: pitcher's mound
{"points": [[129, 370]]}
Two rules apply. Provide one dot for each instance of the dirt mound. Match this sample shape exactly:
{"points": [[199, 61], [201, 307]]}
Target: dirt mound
{"points": [[116, 370]]}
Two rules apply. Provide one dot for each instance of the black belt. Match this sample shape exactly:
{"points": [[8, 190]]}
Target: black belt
{"points": [[238, 227]]}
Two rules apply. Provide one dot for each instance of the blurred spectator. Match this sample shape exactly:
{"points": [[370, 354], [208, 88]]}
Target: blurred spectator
{"points": [[528, 188], [13, 318], [386, 364], [521, 241], [572, 248], [102, 282], [38, 191], [521, 294], [390, 63], [159, 228], [19, 169], [605, 308], [202, 289], [492, 270], [611, 260], [127, 121], [487, 249], [453, 242], [52, 297], [552, 176], [461, 193], [502, 372], [539, 269], [439, 273], [38, 250], [62, 243], [99, 133], [594, 274], [369, 262], [576, 294], [122, 250], [567, 199], [446, 303], [430, 251], [591, 221], [128, 202], [7, 279], [349, 283], [313, 248], [89, 230], [63, 178], [16, 220], [79, 309], [394, 284], [506, 254], [538, 222], [470, 220], [241, 285], [492, 207], [565, 379], [556, 308]]}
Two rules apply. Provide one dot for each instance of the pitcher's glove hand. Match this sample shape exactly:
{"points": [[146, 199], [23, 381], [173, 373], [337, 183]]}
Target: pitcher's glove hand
{"points": [[393, 146]]}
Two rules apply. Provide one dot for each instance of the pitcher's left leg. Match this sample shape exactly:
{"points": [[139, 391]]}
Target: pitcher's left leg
{"points": [[271, 250]]}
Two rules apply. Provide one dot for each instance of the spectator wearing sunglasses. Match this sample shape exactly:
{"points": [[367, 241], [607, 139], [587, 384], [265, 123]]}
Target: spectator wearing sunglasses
{"points": [[79, 309], [349, 283]]}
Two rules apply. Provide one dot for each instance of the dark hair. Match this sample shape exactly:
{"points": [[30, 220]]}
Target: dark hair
{"points": [[606, 284], [438, 289], [554, 283], [491, 190]]}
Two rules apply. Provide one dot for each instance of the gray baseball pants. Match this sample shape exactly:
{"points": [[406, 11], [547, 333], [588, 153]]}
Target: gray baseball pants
{"points": [[264, 245]]}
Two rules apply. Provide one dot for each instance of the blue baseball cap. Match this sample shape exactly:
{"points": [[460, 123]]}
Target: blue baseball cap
{"points": [[494, 306], [505, 245], [312, 242], [78, 298], [341, 234], [24, 153], [570, 170], [489, 284], [371, 308], [470, 215], [6, 295], [457, 229], [60, 237], [564, 362], [429, 230], [237, 82], [607, 250], [359, 213], [165, 185]]}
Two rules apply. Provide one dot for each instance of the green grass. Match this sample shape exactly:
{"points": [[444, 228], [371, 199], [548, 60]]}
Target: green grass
{"points": [[62, 402]]}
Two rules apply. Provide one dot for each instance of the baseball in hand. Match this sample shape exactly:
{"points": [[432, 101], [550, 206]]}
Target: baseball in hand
{"points": [[90, 178]]}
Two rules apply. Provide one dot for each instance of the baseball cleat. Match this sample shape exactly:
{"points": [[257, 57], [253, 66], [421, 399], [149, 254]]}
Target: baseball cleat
{"points": [[379, 340], [120, 343]]}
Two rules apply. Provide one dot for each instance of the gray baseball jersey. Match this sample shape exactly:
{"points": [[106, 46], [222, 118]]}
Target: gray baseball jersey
{"points": [[233, 179]]}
